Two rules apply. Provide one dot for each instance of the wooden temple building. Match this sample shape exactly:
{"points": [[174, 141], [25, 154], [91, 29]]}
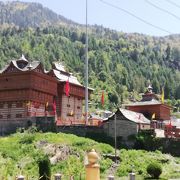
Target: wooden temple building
{"points": [[152, 108], [31, 95]]}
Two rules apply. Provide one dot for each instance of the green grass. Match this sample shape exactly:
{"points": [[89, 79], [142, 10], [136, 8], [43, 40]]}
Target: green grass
{"points": [[139, 160], [20, 150]]}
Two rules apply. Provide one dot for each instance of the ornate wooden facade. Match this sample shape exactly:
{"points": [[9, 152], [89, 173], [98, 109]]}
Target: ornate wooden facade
{"points": [[27, 92], [69, 108]]}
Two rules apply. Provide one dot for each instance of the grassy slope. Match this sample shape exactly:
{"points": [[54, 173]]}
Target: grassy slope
{"points": [[21, 149]]}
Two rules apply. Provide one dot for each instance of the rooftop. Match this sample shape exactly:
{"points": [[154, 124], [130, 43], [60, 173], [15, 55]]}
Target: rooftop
{"points": [[143, 103], [63, 78], [134, 116], [21, 64]]}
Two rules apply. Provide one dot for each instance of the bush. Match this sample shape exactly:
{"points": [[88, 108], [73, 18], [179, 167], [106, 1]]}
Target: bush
{"points": [[44, 168], [27, 138], [154, 169]]}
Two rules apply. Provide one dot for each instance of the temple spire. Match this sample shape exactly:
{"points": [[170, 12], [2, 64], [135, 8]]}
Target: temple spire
{"points": [[23, 58], [150, 88]]}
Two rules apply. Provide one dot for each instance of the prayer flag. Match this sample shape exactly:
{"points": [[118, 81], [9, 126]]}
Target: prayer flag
{"points": [[102, 98], [153, 116], [54, 107], [46, 106], [67, 88], [162, 96]]}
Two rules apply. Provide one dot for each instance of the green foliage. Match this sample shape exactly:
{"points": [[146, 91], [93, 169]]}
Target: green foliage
{"points": [[105, 164], [154, 169], [14, 154], [119, 66], [27, 138], [147, 141], [73, 166], [138, 160], [20, 150]]}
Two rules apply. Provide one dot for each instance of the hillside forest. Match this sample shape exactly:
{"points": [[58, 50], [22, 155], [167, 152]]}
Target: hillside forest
{"points": [[120, 64]]}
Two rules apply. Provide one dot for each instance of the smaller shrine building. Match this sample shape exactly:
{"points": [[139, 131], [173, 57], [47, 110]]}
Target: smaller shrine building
{"points": [[150, 106], [127, 123]]}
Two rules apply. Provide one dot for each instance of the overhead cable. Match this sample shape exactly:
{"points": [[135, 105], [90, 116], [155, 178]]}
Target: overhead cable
{"points": [[136, 17], [163, 10], [173, 3]]}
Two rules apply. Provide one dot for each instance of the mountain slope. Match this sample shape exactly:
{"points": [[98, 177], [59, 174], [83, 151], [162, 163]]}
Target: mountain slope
{"points": [[23, 14], [121, 64]]}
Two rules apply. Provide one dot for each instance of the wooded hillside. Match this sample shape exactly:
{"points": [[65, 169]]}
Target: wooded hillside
{"points": [[121, 64]]}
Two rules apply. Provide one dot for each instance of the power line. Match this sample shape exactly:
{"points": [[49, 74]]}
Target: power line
{"points": [[136, 17], [173, 3], [163, 10]]}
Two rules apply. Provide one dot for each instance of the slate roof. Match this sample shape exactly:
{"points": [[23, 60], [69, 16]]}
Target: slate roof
{"points": [[33, 64], [63, 78], [143, 103], [59, 66], [134, 116], [131, 116], [62, 75]]}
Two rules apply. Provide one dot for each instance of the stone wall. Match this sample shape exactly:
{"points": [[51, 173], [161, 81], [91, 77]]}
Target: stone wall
{"points": [[10, 126], [80, 130], [124, 128]]}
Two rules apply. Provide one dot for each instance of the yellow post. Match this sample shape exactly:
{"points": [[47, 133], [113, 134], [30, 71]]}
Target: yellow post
{"points": [[92, 168]]}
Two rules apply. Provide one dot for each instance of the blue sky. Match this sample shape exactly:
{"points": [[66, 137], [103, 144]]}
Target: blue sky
{"points": [[101, 14]]}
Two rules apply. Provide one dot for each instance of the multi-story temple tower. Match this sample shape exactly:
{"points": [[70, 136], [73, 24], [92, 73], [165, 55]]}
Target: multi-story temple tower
{"points": [[29, 94]]}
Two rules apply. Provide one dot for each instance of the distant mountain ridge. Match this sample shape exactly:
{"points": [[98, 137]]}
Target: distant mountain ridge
{"points": [[25, 14]]}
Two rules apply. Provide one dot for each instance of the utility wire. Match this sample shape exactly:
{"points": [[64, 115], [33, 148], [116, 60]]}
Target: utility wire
{"points": [[163, 10], [173, 3], [136, 17]]}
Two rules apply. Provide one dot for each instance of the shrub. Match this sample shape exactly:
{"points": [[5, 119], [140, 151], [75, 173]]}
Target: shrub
{"points": [[44, 168], [154, 169], [27, 138]]}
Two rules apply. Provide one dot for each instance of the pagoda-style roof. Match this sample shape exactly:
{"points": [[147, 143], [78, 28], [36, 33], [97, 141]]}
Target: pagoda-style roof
{"points": [[62, 75], [22, 64], [59, 66], [58, 70], [63, 78], [148, 98]]}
